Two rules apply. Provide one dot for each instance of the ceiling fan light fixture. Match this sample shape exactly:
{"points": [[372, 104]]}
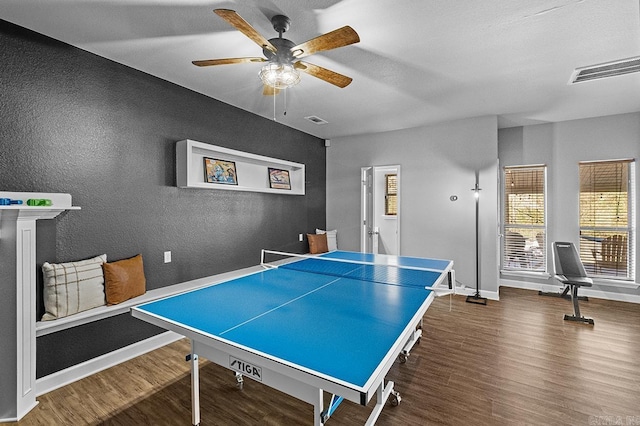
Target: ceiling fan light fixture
{"points": [[281, 56], [279, 76]]}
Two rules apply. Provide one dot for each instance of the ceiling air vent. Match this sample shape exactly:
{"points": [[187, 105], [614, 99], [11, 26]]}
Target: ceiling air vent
{"points": [[610, 69], [316, 120]]}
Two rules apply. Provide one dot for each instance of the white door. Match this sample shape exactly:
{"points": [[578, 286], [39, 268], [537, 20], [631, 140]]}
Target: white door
{"points": [[380, 227], [368, 240]]}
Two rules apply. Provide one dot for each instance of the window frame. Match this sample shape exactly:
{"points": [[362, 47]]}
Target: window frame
{"points": [[536, 263], [592, 244]]}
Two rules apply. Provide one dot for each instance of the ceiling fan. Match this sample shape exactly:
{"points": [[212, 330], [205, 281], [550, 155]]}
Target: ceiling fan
{"points": [[282, 56]]}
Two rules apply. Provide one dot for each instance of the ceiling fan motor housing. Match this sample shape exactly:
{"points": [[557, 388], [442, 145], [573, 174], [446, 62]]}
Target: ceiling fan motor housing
{"points": [[280, 73], [283, 53]]}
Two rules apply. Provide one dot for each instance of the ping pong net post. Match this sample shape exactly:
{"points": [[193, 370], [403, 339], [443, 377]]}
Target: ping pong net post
{"points": [[390, 273]]}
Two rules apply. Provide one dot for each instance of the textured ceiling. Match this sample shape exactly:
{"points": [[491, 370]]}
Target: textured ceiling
{"points": [[419, 62]]}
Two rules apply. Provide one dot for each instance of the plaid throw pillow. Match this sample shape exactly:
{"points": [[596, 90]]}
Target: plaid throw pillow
{"points": [[72, 287]]}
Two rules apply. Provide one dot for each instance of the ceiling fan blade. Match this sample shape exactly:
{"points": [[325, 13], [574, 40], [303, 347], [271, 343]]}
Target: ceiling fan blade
{"points": [[226, 61], [324, 74], [244, 27], [337, 38], [269, 91]]}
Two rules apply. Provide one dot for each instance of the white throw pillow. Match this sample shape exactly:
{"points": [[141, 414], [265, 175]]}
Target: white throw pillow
{"points": [[72, 287], [332, 238]]}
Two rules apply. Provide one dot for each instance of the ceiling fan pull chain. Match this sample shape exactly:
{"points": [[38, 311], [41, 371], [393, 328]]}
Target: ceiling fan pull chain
{"points": [[274, 108], [285, 103]]}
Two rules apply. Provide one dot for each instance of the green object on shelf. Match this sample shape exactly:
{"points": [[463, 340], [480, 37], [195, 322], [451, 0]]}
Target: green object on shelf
{"points": [[39, 202]]}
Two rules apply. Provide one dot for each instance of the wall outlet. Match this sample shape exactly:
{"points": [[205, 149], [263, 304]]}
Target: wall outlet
{"points": [[167, 257], [300, 237]]}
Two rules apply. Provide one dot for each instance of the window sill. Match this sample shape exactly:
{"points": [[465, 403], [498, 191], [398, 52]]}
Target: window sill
{"points": [[600, 282], [525, 274], [603, 282]]}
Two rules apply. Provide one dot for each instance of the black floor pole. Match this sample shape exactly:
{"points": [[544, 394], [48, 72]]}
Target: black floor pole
{"points": [[476, 298]]}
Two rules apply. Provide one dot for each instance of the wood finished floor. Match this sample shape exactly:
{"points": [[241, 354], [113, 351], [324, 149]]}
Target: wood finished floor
{"points": [[512, 362]]}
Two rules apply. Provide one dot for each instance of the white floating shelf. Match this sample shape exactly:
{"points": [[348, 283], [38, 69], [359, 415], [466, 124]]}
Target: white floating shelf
{"points": [[59, 203], [251, 170]]}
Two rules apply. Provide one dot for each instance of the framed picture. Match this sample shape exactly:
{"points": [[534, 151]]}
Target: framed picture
{"points": [[279, 179], [220, 171]]}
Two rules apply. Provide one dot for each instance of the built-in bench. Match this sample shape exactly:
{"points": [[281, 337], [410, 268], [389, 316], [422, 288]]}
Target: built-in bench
{"points": [[77, 372], [47, 327]]}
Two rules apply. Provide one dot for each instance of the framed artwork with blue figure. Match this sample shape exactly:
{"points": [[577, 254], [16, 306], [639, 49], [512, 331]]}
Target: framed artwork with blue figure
{"points": [[220, 171], [279, 179]]}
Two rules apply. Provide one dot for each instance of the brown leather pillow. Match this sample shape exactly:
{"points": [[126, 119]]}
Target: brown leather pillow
{"points": [[124, 279], [317, 243]]}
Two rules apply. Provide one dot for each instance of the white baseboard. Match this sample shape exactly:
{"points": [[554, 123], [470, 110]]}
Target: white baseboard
{"points": [[69, 375], [589, 292]]}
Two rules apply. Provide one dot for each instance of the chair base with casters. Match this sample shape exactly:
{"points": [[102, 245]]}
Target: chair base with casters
{"points": [[570, 271]]}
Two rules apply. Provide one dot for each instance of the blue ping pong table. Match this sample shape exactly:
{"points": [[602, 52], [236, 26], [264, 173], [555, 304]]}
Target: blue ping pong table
{"points": [[335, 323]]}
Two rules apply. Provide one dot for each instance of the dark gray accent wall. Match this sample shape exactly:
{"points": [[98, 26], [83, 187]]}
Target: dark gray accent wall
{"points": [[77, 123]]}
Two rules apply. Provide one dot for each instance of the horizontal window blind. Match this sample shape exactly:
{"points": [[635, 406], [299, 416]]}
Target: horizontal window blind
{"points": [[524, 245], [606, 218]]}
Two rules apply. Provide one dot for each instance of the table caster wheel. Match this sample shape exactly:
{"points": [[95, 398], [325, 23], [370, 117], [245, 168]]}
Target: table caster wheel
{"points": [[239, 381], [395, 398], [402, 358]]}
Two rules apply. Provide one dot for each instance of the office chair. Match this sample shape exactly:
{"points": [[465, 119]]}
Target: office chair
{"points": [[570, 271]]}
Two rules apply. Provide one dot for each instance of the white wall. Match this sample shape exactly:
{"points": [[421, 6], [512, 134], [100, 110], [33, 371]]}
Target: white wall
{"points": [[561, 146], [436, 162]]}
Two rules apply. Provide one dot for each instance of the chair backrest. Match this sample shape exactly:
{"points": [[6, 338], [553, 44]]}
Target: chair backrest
{"points": [[566, 260], [515, 244], [614, 251]]}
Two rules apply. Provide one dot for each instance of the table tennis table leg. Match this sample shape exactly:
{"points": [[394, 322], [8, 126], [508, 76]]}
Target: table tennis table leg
{"points": [[318, 419], [382, 394], [415, 338], [195, 387], [335, 401]]}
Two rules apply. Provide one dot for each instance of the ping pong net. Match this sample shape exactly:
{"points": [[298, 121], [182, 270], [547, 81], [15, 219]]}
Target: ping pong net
{"points": [[387, 273]]}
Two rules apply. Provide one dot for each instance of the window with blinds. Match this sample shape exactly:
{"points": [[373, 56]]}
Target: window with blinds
{"points": [[391, 195], [606, 218], [524, 245]]}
